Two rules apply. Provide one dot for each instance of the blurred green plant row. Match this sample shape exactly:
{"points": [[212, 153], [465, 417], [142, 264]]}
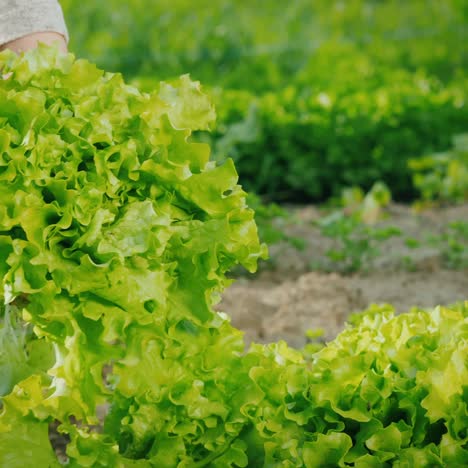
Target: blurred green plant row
{"points": [[302, 144], [311, 96]]}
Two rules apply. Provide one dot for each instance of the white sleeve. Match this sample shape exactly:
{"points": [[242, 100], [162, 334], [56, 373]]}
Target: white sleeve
{"points": [[18, 18]]}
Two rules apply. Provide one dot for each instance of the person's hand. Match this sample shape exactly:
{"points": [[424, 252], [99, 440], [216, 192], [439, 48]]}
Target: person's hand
{"points": [[32, 40]]}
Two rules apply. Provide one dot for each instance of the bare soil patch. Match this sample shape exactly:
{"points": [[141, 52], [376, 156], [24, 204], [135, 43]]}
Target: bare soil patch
{"points": [[286, 299]]}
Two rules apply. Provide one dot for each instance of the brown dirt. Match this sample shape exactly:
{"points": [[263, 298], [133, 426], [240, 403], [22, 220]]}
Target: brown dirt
{"points": [[286, 299]]}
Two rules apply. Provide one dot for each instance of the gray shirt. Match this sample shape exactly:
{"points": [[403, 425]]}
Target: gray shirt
{"points": [[18, 18]]}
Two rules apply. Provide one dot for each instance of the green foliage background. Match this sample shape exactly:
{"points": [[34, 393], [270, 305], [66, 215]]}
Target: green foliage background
{"points": [[311, 96], [257, 45]]}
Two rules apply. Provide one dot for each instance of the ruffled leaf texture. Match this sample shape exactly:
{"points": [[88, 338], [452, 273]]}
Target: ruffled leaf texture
{"points": [[116, 234]]}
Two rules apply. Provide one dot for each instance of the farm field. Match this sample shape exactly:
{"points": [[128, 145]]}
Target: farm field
{"points": [[235, 234]]}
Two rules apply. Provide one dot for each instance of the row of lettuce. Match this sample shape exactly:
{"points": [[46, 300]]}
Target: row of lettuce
{"points": [[117, 234], [389, 391], [311, 98], [309, 142]]}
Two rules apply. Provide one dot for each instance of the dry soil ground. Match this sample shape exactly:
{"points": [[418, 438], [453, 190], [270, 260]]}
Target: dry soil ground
{"points": [[286, 298]]}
